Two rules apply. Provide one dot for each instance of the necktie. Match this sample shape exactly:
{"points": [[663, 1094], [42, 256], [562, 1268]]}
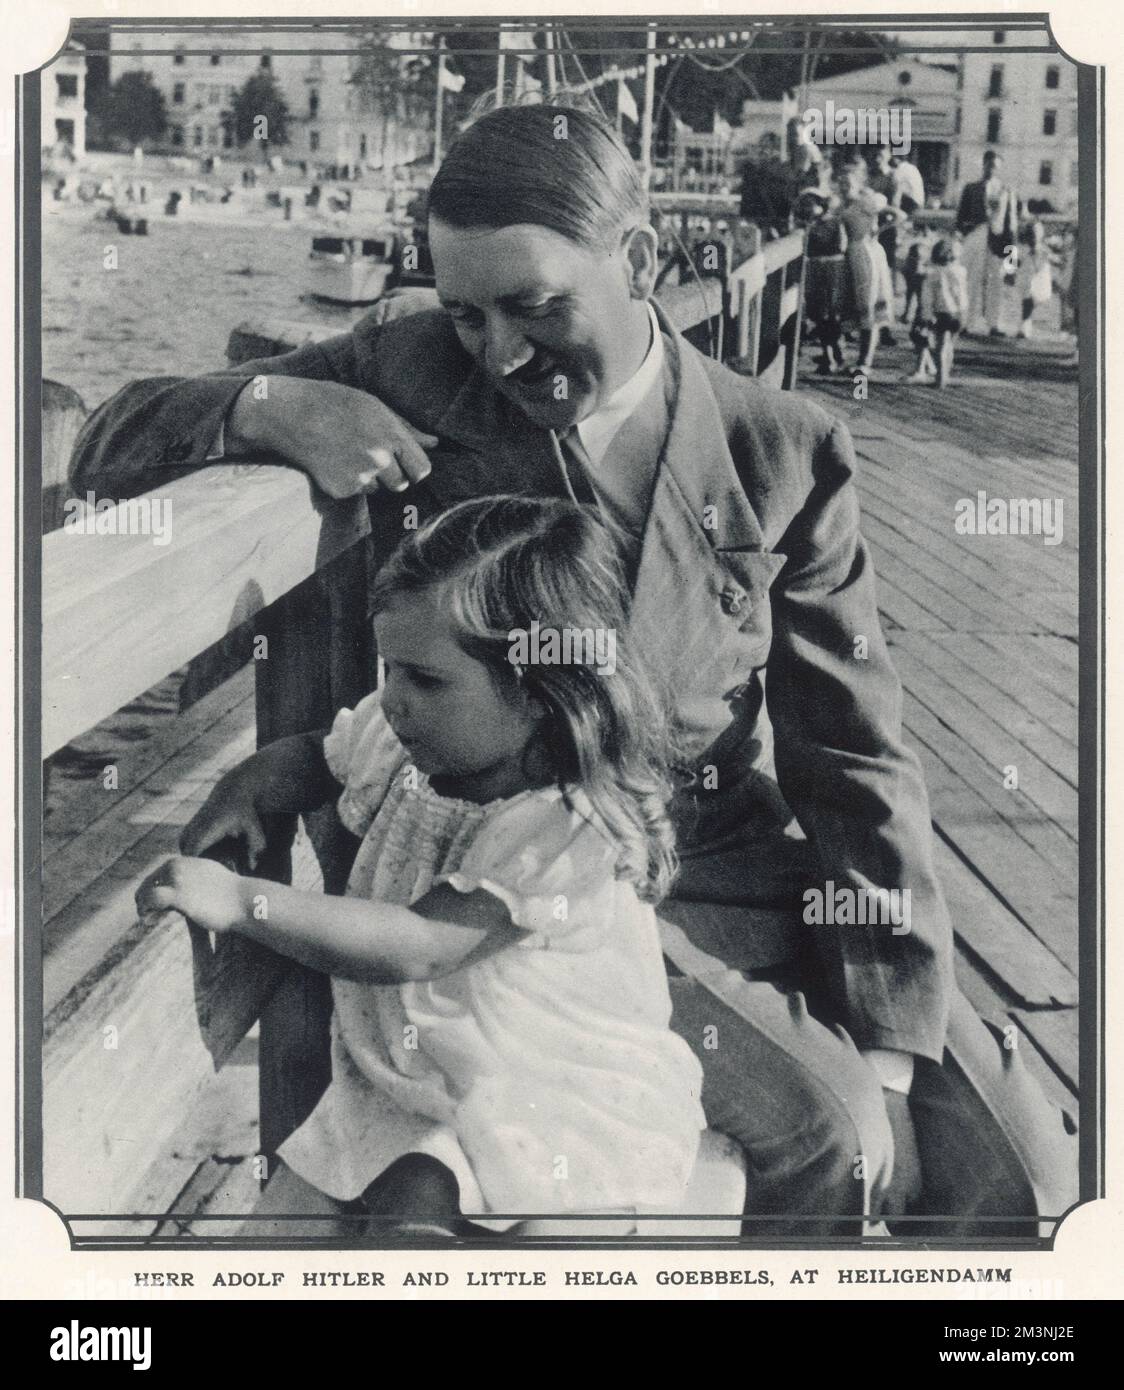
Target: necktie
{"points": [[575, 465]]}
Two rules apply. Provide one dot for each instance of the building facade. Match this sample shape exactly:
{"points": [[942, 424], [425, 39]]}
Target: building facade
{"points": [[1024, 106], [333, 119], [928, 94], [62, 100]]}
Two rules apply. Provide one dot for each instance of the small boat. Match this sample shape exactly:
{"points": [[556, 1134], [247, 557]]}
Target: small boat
{"points": [[351, 269]]}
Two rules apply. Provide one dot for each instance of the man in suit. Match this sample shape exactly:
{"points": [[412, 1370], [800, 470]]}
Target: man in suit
{"points": [[988, 220], [835, 1046]]}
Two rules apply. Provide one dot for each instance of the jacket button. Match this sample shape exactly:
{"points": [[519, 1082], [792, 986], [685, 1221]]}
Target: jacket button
{"points": [[732, 598]]}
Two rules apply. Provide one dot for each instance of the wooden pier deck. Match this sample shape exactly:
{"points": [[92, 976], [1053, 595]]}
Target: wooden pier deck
{"points": [[983, 630]]}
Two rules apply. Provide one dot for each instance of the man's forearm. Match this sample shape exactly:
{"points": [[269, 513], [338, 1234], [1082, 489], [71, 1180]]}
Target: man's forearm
{"points": [[290, 776]]}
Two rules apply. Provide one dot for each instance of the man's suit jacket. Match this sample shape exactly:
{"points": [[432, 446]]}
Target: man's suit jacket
{"points": [[752, 570], [973, 211]]}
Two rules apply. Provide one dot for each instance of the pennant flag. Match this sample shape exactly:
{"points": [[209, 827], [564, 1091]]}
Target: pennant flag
{"points": [[626, 103]]}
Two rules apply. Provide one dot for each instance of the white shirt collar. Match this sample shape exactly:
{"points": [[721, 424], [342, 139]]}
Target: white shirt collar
{"points": [[596, 431]]}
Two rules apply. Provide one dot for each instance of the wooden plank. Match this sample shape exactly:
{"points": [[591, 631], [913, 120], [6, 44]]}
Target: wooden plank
{"points": [[985, 997], [120, 612], [1018, 723], [119, 1075], [998, 748], [1041, 892], [691, 303], [166, 799], [1031, 973], [1055, 1035], [138, 740]]}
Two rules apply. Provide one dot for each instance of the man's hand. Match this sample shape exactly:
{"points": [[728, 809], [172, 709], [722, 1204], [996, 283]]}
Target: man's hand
{"points": [[228, 813], [905, 1184], [206, 893], [346, 440]]}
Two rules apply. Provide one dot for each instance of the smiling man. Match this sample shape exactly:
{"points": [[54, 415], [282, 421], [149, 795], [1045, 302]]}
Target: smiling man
{"points": [[841, 1056]]}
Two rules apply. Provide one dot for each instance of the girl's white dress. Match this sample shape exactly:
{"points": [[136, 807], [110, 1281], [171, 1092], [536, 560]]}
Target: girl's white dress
{"points": [[545, 1075]]}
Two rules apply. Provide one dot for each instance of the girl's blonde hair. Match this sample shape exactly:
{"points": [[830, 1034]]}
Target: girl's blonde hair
{"points": [[503, 564]]}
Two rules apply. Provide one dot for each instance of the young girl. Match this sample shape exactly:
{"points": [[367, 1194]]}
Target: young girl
{"points": [[946, 303], [500, 1039]]}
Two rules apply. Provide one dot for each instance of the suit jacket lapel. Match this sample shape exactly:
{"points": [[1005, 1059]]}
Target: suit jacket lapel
{"points": [[698, 509]]}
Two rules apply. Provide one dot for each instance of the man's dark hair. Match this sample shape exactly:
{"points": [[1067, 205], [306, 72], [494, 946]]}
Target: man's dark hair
{"points": [[552, 166]]}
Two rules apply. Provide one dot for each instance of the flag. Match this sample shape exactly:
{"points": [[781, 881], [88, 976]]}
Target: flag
{"points": [[626, 102], [449, 81]]}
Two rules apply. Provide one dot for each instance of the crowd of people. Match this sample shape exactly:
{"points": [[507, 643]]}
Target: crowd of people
{"points": [[866, 238]]}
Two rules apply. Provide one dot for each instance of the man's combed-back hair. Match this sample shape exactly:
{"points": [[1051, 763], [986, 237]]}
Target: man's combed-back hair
{"points": [[554, 166], [500, 565]]}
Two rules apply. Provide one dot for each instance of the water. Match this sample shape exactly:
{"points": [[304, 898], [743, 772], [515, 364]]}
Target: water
{"points": [[169, 307], [167, 310]]}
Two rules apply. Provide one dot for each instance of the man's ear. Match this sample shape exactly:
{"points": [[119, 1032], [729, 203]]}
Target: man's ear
{"points": [[641, 248]]}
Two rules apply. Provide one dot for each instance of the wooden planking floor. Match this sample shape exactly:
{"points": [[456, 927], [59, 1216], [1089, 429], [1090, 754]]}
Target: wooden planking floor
{"points": [[983, 631]]}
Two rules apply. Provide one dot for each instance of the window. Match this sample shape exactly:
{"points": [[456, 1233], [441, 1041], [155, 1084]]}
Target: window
{"points": [[216, 58], [177, 135], [1053, 77], [64, 132], [197, 135], [214, 95], [999, 36], [363, 145], [955, 168], [904, 78], [313, 141], [178, 58], [266, 61], [1049, 123], [994, 120], [995, 81], [177, 94], [956, 126], [1046, 173], [67, 84], [313, 104]]}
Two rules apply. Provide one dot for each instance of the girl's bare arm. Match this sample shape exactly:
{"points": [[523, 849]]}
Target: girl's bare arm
{"points": [[350, 938]]}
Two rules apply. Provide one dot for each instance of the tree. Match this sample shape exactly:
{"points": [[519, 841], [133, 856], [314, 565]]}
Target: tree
{"points": [[396, 86], [260, 112], [133, 109]]}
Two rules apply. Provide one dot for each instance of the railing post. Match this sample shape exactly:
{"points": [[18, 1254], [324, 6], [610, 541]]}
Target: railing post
{"points": [[320, 657]]}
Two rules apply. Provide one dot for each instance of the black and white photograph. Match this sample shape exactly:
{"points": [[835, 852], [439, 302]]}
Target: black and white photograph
{"points": [[563, 638]]}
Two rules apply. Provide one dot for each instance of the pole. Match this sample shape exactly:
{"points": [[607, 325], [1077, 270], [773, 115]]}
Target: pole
{"points": [[439, 111], [499, 71], [649, 101], [551, 79]]}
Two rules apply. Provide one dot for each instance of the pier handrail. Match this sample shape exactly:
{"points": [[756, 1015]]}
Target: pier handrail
{"points": [[244, 536]]}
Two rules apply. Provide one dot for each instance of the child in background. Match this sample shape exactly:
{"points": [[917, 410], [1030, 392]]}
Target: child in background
{"points": [[946, 303], [913, 270], [500, 1036], [825, 279]]}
